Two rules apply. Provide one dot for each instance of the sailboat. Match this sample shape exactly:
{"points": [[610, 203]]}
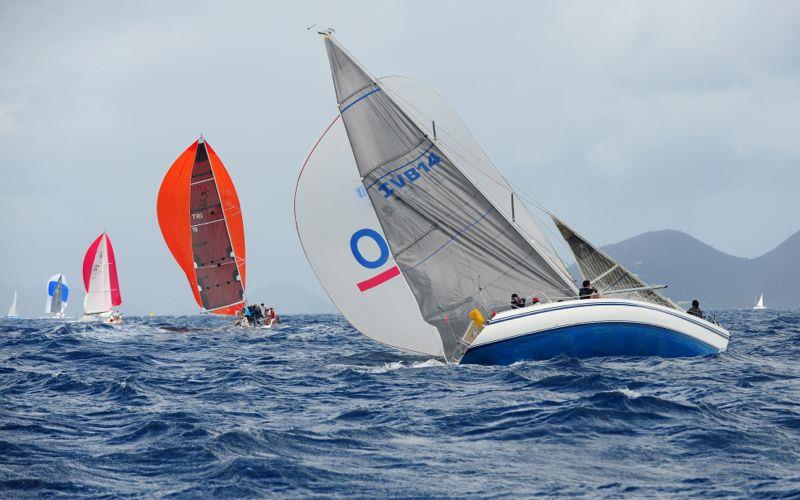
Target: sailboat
{"points": [[420, 242], [101, 282], [759, 303], [12, 311], [201, 221], [57, 295]]}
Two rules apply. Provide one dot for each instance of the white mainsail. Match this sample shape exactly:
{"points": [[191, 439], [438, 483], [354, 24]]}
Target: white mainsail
{"points": [[98, 293], [456, 243], [760, 302], [12, 311]]}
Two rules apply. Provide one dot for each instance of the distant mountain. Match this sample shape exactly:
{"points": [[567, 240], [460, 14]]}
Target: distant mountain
{"points": [[693, 269]]}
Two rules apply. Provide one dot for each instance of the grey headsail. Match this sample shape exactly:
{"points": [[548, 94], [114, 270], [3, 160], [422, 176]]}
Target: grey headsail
{"points": [[453, 246], [605, 273], [55, 303]]}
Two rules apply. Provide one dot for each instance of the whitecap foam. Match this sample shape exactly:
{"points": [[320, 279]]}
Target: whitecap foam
{"points": [[399, 365], [628, 393]]}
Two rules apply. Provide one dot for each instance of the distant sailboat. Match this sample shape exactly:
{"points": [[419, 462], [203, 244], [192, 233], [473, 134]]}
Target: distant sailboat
{"points": [[201, 221], [101, 282], [12, 311], [759, 303], [57, 295], [420, 242]]}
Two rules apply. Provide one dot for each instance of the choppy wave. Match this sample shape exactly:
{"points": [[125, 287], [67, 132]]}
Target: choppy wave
{"points": [[188, 406]]}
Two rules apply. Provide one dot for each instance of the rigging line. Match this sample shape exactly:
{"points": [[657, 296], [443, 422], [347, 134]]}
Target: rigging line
{"points": [[543, 250], [565, 276], [545, 226], [511, 263], [455, 236], [483, 158], [492, 174]]}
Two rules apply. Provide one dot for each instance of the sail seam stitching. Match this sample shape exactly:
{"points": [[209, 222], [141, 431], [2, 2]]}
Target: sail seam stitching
{"points": [[359, 99], [455, 236]]}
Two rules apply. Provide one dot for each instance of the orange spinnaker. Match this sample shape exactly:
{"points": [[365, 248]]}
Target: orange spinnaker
{"points": [[178, 225]]}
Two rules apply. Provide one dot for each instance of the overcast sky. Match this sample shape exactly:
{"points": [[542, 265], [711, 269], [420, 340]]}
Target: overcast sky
{"points": [[622, 117]]}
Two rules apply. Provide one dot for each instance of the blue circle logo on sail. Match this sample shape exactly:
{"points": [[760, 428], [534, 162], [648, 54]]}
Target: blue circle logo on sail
{"points": [[51, 288], [378, 239]]}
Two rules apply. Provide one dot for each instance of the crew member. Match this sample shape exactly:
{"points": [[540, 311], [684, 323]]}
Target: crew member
{"points": [[248, 314], [695, 309], [517, 302], [587, 291]]}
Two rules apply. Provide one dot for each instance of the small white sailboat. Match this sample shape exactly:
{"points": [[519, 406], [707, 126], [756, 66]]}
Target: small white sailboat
{"points": [[432, 242], [759, 303], [12, 311], [101, 282], [57, 295]]}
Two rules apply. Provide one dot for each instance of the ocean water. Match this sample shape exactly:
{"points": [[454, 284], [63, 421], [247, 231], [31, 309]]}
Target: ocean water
{"points": [[188, 407]]}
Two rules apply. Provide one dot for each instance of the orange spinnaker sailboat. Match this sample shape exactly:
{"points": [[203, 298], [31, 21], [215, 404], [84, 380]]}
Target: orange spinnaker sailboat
{"points": [[201, 220]]}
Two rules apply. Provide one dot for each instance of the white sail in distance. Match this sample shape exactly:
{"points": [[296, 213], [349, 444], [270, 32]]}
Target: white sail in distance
{"points": [[57, 294], [12, 311], [453, 245]]}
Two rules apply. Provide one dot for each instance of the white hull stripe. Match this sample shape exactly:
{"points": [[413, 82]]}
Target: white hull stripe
{"points": [[597, 304]]}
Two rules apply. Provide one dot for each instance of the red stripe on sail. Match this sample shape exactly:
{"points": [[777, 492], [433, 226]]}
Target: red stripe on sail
{"points": [[379, 279], [88, 262], [116, 295]]}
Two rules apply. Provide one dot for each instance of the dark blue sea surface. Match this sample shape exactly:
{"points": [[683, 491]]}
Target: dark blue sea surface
{"points": [[189, 406]]}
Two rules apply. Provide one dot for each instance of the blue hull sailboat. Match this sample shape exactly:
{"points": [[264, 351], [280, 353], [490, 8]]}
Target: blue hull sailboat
{"points": [[420, 242]]}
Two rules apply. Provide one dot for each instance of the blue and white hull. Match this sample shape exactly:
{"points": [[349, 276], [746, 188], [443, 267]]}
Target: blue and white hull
{"points": [[594, 327]]}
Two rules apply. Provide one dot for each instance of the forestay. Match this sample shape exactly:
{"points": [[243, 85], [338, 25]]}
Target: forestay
{"points": [[606, 274], [453, 246]]}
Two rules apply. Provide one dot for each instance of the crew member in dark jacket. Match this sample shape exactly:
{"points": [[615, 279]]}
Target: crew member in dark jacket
{"points": [[695, 309], [587, 290], [517, 302]]}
